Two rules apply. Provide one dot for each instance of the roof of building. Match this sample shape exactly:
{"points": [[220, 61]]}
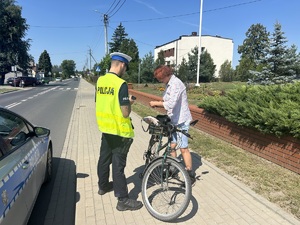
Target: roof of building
{"points": [[194, 34]]}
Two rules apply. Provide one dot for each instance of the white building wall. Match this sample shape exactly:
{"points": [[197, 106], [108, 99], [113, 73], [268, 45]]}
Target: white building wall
{"points": [[185, 46], [220, 49]]}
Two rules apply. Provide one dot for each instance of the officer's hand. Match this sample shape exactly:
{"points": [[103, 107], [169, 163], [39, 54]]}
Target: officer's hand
{"points": [[132, 99]]}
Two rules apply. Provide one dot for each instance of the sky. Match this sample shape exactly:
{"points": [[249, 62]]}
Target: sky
{"points": [[72, 29]]}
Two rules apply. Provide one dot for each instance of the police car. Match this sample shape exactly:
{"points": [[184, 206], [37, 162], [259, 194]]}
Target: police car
{"points": [[25, 164]]}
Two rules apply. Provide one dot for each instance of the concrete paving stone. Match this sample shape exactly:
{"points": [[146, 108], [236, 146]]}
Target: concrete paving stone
{"points": [[90, 211], [111, 219], [100, 217], [90, 221]]}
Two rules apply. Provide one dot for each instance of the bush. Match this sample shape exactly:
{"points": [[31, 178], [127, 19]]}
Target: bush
{"points": [[271, 109]]}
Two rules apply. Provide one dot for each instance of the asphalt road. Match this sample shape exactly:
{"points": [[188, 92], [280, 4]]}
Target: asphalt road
{"points": [[49, 106]]}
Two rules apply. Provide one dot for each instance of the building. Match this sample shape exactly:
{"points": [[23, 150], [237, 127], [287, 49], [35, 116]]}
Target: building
{"points": [[220, 49], [31, 72]]}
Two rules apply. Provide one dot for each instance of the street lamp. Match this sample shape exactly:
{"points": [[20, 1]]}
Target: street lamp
{"points": [[199, 48]]}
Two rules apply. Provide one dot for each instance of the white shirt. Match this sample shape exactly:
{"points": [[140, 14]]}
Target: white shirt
{"points": [[175, 101]]}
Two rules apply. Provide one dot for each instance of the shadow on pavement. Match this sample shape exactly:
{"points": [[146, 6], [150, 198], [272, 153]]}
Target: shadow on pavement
{"points": [[62, 193]]}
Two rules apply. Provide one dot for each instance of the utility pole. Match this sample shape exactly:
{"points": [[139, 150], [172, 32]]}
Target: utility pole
{"points": [[90, 59], [139, 77], [199, 48], [105, 20]]}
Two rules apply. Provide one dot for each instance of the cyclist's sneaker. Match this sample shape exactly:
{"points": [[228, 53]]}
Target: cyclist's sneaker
{"points": [[108, 188], [173, 172], [192, 175], [128, 204]]}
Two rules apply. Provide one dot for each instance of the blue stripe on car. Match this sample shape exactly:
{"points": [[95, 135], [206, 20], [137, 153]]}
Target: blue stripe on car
{"points": [[34, 156]]}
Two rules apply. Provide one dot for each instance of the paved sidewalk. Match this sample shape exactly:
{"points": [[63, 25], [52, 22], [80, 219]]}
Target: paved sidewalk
{"points": [[217, 197]]}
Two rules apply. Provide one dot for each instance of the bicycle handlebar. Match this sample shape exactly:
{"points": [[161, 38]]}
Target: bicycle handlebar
{"points": [[176, 129], [171, 128]]}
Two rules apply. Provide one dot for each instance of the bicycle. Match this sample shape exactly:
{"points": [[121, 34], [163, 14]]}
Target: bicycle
{"points": [[166, 186]]}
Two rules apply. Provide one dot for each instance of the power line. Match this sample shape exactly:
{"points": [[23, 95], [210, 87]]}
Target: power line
{"points": [[142, 20], [110, 7], [189, 14], [232, 6], [106, 17], [118, 8], [65, 27]]}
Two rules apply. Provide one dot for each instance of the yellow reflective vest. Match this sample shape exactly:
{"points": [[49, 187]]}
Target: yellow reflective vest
{"points": [[108, 111]]}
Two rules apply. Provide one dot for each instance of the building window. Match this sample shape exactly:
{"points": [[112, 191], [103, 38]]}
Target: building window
{"points": [[169, 52]]}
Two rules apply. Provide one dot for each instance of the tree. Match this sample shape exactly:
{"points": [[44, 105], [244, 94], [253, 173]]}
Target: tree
{"points": [[104, 64], [160, 58], [127, 46], [226, 72], [278, 60], [56, 69], [45, 64], [207, 66], [183, 71], [294, 59], [147, 68], [255, 45], [68, 68], [13, 47], [279, 63], [192, 64], [243, 69], [253, 51], [118, 37]]}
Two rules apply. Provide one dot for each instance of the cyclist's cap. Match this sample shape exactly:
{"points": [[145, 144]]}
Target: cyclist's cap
{"points": [[121, 57]]}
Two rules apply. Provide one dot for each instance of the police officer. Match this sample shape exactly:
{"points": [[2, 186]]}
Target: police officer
{"points": [[113, 107]]}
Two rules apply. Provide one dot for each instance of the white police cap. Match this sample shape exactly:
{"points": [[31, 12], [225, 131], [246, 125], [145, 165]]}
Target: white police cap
{"points": [[120, 57]]}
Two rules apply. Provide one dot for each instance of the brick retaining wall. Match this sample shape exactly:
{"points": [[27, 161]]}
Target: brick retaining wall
{"points": [[283, 151]]}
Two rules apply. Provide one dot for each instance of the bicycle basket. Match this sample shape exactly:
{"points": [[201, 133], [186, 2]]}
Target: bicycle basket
{"points": [[163, 119], [160, 128], [153, 129]]}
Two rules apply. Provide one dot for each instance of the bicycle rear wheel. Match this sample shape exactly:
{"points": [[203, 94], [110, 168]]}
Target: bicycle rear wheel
{"points": [[166, 189]]}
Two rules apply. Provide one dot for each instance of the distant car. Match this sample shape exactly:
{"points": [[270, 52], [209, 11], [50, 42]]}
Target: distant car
{"points": [[10, 80], [28, 81], [25, 162], [38, 81], [58, 79], [76, 78]]}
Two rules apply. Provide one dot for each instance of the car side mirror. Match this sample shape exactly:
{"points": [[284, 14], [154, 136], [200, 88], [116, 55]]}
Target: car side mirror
{"points": [[41, 132]]}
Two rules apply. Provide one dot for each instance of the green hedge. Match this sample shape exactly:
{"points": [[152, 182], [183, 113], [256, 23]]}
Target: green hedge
{"points": [[270, 109]]}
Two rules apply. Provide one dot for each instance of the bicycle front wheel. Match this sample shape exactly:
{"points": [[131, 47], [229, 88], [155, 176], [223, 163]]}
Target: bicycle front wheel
{"points": [[166, 189]]}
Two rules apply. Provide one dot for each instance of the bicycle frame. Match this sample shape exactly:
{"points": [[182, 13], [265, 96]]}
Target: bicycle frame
{"points": [[167, 146]]}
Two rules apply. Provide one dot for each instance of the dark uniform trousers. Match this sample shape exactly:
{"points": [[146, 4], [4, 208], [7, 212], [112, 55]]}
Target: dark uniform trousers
{"points": [[113, 150]]}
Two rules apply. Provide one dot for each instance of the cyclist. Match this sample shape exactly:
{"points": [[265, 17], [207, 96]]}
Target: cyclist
{"points": [[176, 104], [113, 107]]}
